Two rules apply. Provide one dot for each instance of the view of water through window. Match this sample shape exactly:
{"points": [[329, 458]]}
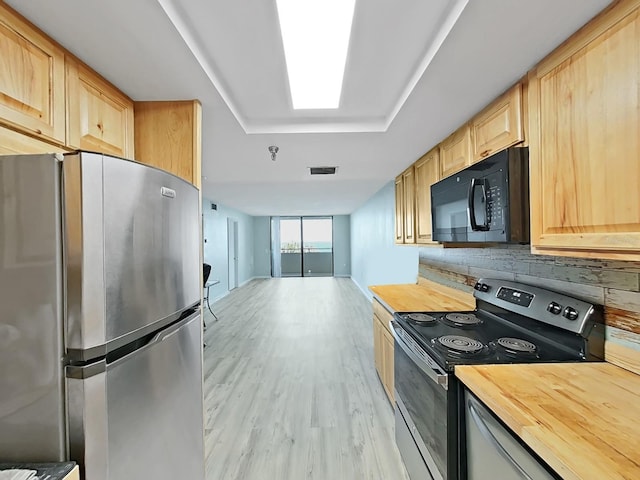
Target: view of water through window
{"points": [[317, 234], [306, 246]]}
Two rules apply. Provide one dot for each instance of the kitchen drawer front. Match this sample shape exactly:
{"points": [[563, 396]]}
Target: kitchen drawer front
{"points": [[383, 314]]}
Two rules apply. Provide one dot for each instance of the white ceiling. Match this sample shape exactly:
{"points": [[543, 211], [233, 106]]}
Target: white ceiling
{"points": [[416, 70]]}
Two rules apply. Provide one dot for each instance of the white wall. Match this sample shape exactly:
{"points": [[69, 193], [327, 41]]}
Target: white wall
{"points": [[375, 258], [216, 250]]}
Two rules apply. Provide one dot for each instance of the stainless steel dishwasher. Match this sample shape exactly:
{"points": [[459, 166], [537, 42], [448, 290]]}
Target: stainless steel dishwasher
{"points": [[493, 451]]}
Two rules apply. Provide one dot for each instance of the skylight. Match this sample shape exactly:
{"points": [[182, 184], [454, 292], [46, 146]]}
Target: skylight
{"points": [[315, 35]]}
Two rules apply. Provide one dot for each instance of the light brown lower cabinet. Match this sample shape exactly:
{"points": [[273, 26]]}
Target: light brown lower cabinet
{"points": [[383, 347]]}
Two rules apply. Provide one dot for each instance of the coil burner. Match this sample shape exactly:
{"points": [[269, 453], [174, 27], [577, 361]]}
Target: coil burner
{"points": [[517, 346], [421, 318], [460, 344], [462, 319]]}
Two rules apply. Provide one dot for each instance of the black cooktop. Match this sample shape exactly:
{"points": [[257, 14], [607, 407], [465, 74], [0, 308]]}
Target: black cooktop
{"points": [[475, 337]]}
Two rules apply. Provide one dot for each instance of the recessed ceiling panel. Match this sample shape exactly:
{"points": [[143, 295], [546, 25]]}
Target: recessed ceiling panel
{"points": [[240, 44]]}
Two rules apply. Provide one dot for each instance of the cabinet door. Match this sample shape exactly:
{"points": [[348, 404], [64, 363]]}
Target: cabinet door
{"points": [[168, 136], [585, 142], [100, 116], [16, 143], [455, 152], [399, 210], [427, 173], [387, 362], [499, 126], [31, 79], [377, 346], [408, 187]]}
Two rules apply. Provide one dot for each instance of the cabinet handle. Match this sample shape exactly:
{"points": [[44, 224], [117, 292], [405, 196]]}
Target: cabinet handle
{"points": [[485, 153]]}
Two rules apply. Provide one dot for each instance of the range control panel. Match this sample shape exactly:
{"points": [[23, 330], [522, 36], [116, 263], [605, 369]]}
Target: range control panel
{"points": [[517, 297], [543, 305]]}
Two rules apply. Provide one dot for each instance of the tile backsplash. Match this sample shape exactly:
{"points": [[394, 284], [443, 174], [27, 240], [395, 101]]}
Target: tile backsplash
{"points": [[614, 284]]}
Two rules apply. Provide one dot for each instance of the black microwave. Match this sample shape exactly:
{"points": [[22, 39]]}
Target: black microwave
{"points": [[486, 202]]}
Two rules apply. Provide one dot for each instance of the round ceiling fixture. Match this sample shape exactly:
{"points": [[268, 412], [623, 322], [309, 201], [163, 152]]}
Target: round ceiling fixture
{"points": [[273, 150]]}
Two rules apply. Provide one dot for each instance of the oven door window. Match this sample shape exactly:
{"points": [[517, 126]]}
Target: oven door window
{"points": [[426, 404]]}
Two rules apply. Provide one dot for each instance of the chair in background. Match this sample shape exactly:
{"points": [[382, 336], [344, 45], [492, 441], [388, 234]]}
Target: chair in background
{"points": [[206, 272]]}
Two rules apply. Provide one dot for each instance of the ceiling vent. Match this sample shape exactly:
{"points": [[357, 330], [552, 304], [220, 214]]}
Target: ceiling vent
{"points": [[322, 170]]}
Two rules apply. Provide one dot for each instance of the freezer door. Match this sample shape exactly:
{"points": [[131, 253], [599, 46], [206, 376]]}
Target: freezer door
{"points": [[132, 250], [32, 426], [142, 417]]}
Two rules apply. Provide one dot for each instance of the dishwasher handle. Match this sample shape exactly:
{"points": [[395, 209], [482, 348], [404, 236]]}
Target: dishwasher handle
{"points": [[490, 437]]}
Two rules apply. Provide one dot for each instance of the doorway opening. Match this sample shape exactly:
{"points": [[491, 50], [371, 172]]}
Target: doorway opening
{"points": [[302, 246]]}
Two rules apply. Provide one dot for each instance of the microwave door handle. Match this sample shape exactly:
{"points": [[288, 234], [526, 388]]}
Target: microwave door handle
{"points": [[471, 210]]}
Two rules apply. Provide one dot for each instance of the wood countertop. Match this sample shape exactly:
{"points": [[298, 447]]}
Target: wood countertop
{"points": [[581, 418], [426, 296]]}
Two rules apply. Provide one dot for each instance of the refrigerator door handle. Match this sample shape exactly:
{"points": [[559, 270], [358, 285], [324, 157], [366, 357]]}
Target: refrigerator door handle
{"points": [[172, 330], [117, 357]]}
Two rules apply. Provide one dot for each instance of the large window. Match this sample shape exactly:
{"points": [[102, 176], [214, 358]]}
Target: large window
{"points": [[302, 246]]}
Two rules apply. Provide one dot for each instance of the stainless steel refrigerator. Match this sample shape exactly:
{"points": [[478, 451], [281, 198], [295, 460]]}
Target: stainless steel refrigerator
{"points": [[100, 328]]}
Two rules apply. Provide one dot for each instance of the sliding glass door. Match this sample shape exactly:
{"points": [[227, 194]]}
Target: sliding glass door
{"points": [[291, 247], [317, 251], [302, 246]]}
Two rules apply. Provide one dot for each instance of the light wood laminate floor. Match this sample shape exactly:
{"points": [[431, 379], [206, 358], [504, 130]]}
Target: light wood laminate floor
{"points": [[290, 387]]}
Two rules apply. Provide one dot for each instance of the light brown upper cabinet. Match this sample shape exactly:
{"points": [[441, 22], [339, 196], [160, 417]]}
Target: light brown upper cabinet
{"points": [[499, 125], [168, 136], [455, 152], [409, 188], [584, 102], [427, 172], [405, 207], [32, 95], [100, 117], [399, 234], [15, 143]]}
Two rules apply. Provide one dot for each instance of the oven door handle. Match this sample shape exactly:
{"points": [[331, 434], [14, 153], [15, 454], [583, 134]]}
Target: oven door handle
{"points": [[439, 378], [486, 433]]}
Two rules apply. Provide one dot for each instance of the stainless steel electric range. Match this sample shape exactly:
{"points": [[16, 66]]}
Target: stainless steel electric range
{"points": [[512, 323]]}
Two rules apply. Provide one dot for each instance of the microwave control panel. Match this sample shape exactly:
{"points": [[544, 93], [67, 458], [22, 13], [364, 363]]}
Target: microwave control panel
{"points": [[495, 200]]}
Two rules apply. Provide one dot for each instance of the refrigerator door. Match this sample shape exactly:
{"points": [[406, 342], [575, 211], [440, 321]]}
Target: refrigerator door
{"points": [[141, 415], [32, 426], [132, 251]]}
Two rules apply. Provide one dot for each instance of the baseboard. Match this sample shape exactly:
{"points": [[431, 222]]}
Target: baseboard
{"points": [[342, 276], [365, 291], [219, 297], [252, 278]]}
